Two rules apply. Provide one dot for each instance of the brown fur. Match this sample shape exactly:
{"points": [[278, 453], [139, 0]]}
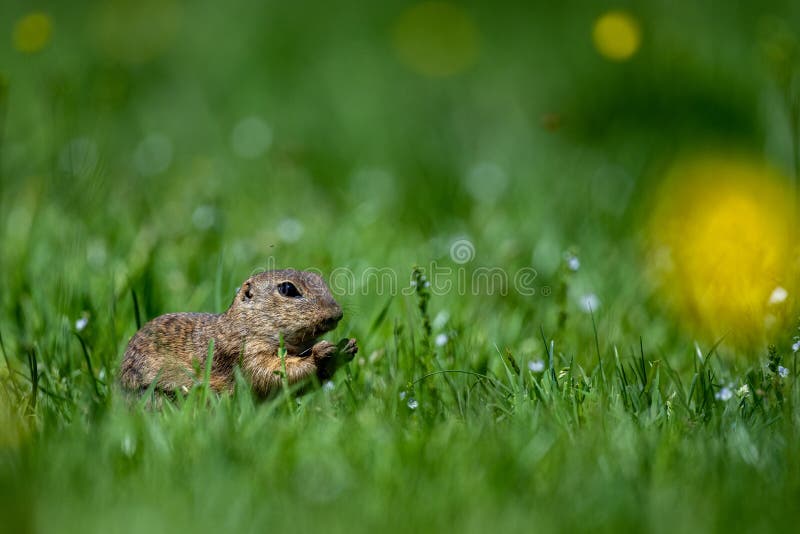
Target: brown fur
{"points": [[171, 350]]}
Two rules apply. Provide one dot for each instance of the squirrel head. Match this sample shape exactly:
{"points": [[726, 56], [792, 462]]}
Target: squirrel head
{"points": [[295, 304]]}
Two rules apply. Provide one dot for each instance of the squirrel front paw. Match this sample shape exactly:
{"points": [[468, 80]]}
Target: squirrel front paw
{"points": [[323, 350], [329, 357]]}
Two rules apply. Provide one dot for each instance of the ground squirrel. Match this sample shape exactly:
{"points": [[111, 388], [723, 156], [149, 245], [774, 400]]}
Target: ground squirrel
{"points": [[296, 305]]}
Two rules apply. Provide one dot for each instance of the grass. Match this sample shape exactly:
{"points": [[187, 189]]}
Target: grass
{"points": [[466, 409]]}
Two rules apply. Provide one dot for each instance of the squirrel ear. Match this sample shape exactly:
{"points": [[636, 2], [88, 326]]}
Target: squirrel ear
{"points": [[247, 291]]}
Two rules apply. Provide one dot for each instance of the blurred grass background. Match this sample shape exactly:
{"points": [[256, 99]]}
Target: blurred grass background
{"points": [[168, 149]]}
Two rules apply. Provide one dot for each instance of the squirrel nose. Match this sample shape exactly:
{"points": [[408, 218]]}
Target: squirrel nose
{"points": [[337, 314]]}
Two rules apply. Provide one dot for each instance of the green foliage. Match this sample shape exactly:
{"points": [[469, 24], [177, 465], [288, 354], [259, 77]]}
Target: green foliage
{"points": [[465, 410]]}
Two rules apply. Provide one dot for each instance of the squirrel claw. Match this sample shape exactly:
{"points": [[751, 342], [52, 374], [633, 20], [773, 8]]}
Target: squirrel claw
{"points": [[348, 346]]}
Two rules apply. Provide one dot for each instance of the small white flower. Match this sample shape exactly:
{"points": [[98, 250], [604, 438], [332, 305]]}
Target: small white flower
{"points": [[328, 385], [412, 403], [441, 319], [403, 395], [589, 302], [796, 346], [778, 295], [441, 340], [573, 263], [537, 366], [81, 323], [783, 372], [743, 391], [724, 394]]}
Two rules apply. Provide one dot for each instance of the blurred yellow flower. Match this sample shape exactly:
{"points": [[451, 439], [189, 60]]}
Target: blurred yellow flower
{"points": [[617, 35], [135, 31], [32, 32], [721, 247], [436, 39]]}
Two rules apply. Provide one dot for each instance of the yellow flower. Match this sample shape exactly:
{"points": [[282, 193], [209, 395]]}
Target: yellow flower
{"points": [[721, 243], [617, 35], [32, 32]]}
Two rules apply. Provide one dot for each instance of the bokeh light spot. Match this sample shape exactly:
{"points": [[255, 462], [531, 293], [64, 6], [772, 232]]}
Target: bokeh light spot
{"points": [[720, 244], [204, 217], [617, 35], [153, 155], [251, 137], [290, 230], [486, 182], [436, 39], [33, 32]]}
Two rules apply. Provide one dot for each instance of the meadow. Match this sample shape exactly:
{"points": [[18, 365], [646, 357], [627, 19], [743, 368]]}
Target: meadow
{"points": [[563, 235]]}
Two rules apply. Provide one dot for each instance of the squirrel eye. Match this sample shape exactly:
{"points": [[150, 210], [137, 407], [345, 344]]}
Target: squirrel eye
{"points": [[287, 289]]}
